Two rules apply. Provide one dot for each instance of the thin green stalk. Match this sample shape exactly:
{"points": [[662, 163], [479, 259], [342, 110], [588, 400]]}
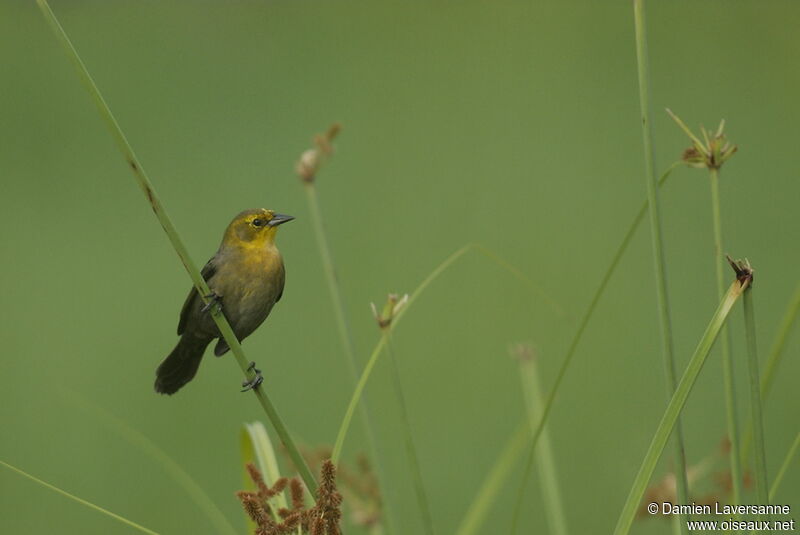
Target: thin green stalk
{"points": [[784, 467], [494, 481], [551, 491], [682, 487], [675, 406], [726, 347], [573, 346], [760, 464], [408, 438], [780, 341], [202, 288], [81, 501], [775, 354], [175, 471], [345, 335]]}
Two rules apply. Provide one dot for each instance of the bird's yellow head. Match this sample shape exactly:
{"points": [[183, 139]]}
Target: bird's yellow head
{"points": [[254, 228]]}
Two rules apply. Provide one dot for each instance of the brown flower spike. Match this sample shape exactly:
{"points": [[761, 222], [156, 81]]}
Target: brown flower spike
{"points": [[321, 519]]}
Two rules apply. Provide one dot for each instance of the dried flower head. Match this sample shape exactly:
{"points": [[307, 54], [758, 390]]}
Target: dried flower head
{"points": [[393, 305], [710, 152], [257, 506], [743, 270], [312, 159], [708, 485], [357, 484], [523, 352]]}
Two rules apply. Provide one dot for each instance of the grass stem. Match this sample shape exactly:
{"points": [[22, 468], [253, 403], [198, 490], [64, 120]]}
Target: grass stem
{"points": [[345, 335], [775, 354], [658, 249], [551, 491], [780, 341], [726, 347], [760, 463], [408, 438], [202, 288], [329, 269]]}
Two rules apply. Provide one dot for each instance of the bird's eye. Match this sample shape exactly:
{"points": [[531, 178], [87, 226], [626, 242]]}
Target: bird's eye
{"points": [[258, 222]]}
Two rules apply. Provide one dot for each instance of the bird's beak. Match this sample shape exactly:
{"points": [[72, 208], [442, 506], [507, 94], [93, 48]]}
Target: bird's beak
{"points": [[279, 219]]}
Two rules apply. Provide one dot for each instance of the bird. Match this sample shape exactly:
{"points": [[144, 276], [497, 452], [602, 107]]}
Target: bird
{"points": [[246, 277]]}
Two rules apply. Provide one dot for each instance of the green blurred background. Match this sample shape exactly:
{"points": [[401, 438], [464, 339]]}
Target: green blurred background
{"points": [[513, 124]]}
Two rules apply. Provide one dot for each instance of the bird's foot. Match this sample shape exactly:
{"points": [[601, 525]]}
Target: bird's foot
{"points": [[213, 299], [255, 381]]}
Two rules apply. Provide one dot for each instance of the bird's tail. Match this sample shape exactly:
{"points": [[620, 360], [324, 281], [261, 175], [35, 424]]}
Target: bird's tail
{"points": [[181, 365]]}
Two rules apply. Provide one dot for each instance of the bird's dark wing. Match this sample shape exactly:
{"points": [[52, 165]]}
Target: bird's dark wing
{"points": [[207, 272], [281, 282]]}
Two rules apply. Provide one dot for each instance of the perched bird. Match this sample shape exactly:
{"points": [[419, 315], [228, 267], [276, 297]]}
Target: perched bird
{"points": [[246, 278]]}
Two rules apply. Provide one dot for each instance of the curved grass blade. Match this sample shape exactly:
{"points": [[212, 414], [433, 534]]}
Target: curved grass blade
{"points": [[760, 465], [432, 276], [137, 439], [551, 492], [411, 450], [81, 501], [676, 405], [787, 461]]}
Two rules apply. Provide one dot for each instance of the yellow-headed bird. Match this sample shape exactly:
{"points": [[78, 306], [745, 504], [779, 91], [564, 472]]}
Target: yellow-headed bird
{"points": [[246, 278]]}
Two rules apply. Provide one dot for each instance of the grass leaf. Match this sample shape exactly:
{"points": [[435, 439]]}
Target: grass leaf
{"points": [[675, 406]]}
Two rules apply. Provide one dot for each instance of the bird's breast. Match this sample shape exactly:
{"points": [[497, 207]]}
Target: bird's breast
{"points": [[249, 284]]}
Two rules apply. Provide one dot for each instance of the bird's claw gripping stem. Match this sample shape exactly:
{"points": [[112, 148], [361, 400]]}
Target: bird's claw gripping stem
{"points": [[213, 299], [255, 381]]}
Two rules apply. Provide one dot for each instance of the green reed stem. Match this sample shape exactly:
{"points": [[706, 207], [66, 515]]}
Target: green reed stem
{"points": [[726, 347], [573, 346], [658, 250], [408, 438], [81, 501], [787, 461], [345, 336], [202, 288], [760, 464], [551, 491], [675, 406], [775, 354]]}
